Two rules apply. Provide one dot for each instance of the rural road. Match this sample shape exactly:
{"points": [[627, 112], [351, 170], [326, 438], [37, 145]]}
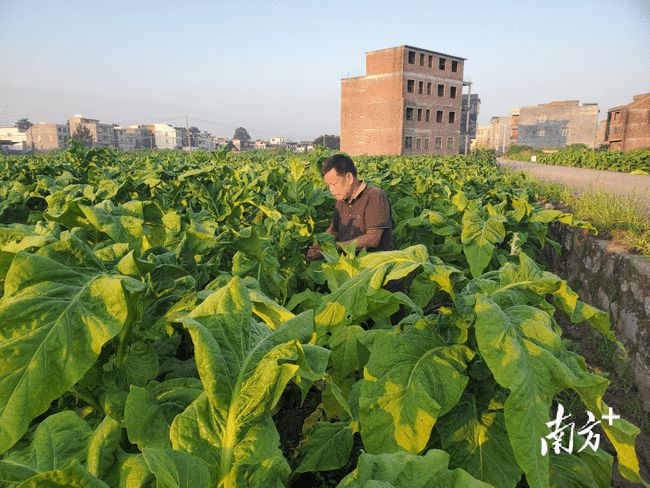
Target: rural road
{"points": [[581, 179]]}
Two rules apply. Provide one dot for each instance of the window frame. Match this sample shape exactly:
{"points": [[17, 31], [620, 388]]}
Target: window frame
{"points": [[411, 57]]}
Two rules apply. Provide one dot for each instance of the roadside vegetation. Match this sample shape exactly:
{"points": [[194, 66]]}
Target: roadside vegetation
{"points": [[622, 218], [581, 156]]}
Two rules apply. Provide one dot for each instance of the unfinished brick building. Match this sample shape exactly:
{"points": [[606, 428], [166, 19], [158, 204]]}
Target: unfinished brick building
{"points": [[628, 126], [409, 102]]}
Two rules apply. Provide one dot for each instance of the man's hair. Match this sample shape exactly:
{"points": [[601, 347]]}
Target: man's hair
{"points": [[341, 163]]}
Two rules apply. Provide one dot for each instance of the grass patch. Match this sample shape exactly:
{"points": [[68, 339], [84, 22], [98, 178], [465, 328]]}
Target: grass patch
{"points": [[622, 218]]}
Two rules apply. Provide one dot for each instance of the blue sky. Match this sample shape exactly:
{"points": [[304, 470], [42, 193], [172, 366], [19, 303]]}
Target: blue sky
{"points": [[275, 67]]}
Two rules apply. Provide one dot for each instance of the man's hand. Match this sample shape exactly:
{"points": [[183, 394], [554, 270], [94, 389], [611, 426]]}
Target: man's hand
{"points": [[314, 252]]}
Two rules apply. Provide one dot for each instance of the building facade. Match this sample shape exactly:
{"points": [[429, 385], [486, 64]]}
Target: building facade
{"points": [[47, 137], [557, 124], [474, 108], [164, 136], [133, 137], [13, 139], [409, 102], [628, 126], [496, 135], [103, 135]]}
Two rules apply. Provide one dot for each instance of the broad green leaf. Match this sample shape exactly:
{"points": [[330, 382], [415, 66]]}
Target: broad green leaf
{"points": [[622, 434], [56, 320], [410, 380], [137, 223], [176, 469], [269, 311], [344, 346], [477, 441], [73, 476], [353, 298], [327, 447], [56, 442], [526, 356], [479, 237], [150, 411], [244, 367], [103, 448], [403, 470]]}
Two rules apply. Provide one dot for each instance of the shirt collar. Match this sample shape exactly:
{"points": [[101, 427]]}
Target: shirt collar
{"points": [[362, 187]]}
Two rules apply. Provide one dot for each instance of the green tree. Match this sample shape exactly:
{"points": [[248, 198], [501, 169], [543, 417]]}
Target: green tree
{"points": [[241, 134], [82, 135], [328, 141], [23, 125]]}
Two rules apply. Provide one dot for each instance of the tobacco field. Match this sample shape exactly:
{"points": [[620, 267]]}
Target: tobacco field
{"points": [[160, 326]]}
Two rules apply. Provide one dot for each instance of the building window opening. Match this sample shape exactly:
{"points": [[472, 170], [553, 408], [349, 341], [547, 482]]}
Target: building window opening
{"points": [[426, 144], [420, 87], [441, 90], [450, 143], [430, 65], [411, 57], [452, 117], [419, 114], [452, 92], [409, 113], [421, 59], [428, 88], [408, 142], [427, 115], [417, 144], [454, 66], [410, 85], [438, 143], [439, 116], [441, 63]]}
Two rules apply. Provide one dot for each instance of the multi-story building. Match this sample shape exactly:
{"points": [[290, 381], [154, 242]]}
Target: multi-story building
{"points": [[47, 137], [496, 135], [277, 140], [13, 139], [409, 102], [557, 124], [164, 136], [134, 137], [628, 126], [474, 108], [103, 135]]}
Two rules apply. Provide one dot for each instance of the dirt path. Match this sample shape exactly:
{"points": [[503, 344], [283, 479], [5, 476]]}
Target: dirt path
{"points": [[582, 179]]}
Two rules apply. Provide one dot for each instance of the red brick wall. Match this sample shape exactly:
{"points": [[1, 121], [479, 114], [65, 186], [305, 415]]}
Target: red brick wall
{"points": [[629, 125], [373, 108]]}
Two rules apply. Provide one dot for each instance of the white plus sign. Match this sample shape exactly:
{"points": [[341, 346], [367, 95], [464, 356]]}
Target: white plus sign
{"points": [[610, 416]]}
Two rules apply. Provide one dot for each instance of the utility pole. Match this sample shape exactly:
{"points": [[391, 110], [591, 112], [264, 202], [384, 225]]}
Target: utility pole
{"points": [[469, 107], [189, 141]]}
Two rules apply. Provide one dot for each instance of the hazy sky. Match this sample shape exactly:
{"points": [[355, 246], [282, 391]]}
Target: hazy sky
{"points": [[275, 67]]}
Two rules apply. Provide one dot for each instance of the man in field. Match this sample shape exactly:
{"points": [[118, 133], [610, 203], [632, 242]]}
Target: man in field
{"points": [[361, 212]]}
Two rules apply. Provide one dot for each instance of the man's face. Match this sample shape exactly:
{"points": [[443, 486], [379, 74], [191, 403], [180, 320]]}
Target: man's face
{"points": [[339, 186]]}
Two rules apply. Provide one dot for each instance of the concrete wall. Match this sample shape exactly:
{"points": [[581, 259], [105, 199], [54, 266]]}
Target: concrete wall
{"points": [[474, 108], [538, 125], [47, 137], [619, 283]]}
